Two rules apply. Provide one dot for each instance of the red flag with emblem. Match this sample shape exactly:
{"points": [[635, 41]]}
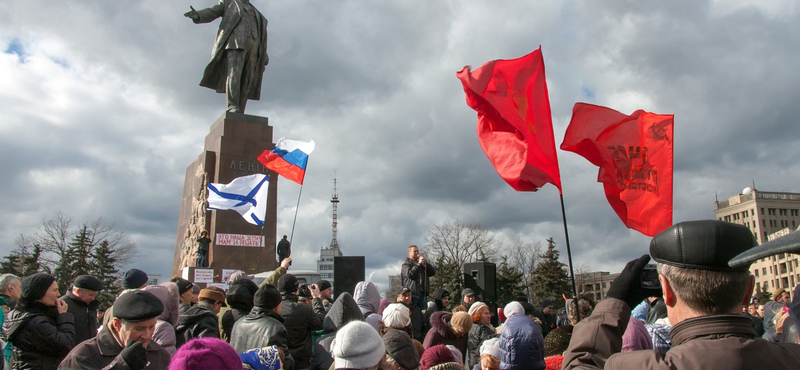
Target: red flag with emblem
{"points": [[515, 129], [634, 154]]}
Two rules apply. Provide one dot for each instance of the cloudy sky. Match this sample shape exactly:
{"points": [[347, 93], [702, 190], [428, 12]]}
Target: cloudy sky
{"points": [[102, 113]]}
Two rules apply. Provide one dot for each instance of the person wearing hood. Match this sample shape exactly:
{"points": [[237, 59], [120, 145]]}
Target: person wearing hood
{"points": [[301, 320], [239, 296], [82, 304], [449, 328], [481, 331], [369, 300], [521, 344], [400, 348], [200, 320], [40, 329], [263, 326], [441, 302], [344, 310], [164, 334]]}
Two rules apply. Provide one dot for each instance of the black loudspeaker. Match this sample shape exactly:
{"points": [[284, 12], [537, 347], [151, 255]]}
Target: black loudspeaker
{"points": [[347, 272], [480, 277]]}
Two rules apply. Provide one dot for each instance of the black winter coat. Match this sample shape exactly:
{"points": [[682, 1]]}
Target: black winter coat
{"points": [[261, 328], [196, 322], [301, 321], [415, 276], [103, 352], [240, 299], [41, 337], [85, 316], [343, 310]]}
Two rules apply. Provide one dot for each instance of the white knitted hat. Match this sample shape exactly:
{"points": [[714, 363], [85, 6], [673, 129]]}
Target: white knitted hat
{"points": [[475, 308], [357, 346], [396, 316], [513, 308], [491, 347]]}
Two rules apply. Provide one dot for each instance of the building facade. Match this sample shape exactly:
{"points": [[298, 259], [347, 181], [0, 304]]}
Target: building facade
{"points": [[769, 215], [594, 284]]}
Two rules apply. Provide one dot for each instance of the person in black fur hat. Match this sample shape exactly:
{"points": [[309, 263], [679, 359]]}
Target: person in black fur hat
{"points": [[40, 329]]}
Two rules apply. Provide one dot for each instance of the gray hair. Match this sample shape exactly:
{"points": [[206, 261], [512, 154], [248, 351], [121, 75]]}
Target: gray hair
{"points": [[708, 292], [6, 280]]}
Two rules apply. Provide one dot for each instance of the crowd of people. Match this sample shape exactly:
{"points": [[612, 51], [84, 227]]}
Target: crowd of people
{"points": [[702, 316]]}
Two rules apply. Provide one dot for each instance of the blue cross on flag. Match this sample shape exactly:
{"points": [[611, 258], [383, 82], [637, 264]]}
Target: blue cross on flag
{"points": [[246, 195]]}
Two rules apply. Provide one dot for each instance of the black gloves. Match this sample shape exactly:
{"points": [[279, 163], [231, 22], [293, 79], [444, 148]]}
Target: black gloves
{"points": [[627, 287], [135, 355]]}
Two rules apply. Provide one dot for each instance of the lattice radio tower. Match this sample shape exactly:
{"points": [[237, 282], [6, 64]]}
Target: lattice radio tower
{"points": [[335, 206]]}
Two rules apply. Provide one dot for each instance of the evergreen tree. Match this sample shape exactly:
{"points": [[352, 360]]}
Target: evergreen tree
{"points": [[32, 263], [12, 264], [448, 276], [551, 278], [104, 269], [77, 259], [764, 295], [508, 281]]}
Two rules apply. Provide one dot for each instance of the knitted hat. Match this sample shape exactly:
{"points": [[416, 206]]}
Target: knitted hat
{"points": [[435, 355], [134, 279], [206, 353], [34, 287], [448, 366], [513, 308], [546, 303], [88, 282], [196, 289], [461, 322], [456, 353], [396, 315], [491, 347], [323, 284], [288, 283], [401, 348], [476, 307], [266, 358], [357, 346], [556, 342], [267, 297], [183, 284]]}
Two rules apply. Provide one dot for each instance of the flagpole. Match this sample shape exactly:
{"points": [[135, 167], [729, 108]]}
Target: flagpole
{"points": [[569, 255], [296, 209], [263, 230]]}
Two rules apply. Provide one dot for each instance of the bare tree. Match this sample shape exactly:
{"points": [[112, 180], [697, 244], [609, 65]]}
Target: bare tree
{"points": [[525, 257], [458, 243], [450, 245]]}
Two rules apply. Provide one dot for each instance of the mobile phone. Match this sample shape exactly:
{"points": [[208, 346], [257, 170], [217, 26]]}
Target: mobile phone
{"points": [[650, 277]]}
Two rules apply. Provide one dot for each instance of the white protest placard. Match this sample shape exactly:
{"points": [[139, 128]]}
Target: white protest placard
{"points": [[239, 240], [226, 274], [204, 275]]}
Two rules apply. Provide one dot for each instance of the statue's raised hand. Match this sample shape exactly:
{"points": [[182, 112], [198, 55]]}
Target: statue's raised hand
{"points": [[193, 14]]}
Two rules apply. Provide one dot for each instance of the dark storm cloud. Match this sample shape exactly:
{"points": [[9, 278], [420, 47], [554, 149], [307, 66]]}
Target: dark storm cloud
{"points": [[106, 113]]}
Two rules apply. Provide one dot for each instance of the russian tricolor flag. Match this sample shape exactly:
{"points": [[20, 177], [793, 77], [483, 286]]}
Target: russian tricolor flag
{"points": [[288, 159]]}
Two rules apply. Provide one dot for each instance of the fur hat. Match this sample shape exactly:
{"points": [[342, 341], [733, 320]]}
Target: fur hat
{"points": [[206, 353], [357, 346], [461, 322]]}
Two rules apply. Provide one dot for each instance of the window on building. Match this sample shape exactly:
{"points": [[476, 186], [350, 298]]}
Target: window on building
{"points": [[783, 211], [795, 212], [785, 283], [753, 212], [783, 268], [763, 271], [765, 236], [770, 269], [762, 210], [772, 283], [755, 272], [604, 285], [771, 211], [764, 222], [758, 287], [791, 280]]}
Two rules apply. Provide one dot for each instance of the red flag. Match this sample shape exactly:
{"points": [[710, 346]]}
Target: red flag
{"points": [[514, 124], [634, 154]]}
